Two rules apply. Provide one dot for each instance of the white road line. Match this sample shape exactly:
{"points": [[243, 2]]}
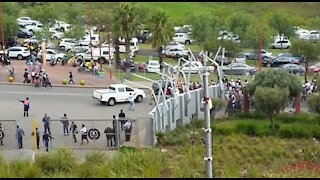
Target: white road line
{"points": [[54, 94]]}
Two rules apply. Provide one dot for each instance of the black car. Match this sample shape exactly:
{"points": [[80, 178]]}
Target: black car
{"points": [[293, 69], [279, 61], [132, 66], [23, 35]]}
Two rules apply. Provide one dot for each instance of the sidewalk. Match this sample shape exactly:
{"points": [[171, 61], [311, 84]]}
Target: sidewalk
{"points": [[56, 74]]}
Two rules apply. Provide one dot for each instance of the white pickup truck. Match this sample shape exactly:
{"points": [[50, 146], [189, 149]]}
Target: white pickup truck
{"points": [[117, 93]]}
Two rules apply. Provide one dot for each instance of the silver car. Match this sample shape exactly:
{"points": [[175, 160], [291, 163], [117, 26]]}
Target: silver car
{"points": [[239, 69]]}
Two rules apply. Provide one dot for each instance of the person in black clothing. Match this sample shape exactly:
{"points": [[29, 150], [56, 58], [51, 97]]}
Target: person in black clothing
{"points": [[25, 76], [73, 129], [46, 139], [110, 136], [37, 136], [122, 118], [70, 78]]}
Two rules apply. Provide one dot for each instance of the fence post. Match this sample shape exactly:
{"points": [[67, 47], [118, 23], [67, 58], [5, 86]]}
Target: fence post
{"points": [[117, 134]]}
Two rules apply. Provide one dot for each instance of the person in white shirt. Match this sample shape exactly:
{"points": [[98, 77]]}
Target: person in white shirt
{"points": [[127, 130], [131, 100], [84, 134]]}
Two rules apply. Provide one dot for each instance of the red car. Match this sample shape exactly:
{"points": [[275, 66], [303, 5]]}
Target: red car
{"points": [[315, 68]]}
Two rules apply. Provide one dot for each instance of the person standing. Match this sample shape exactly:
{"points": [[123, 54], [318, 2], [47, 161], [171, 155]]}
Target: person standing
{"points": [[70, 78], [2, 129], [26, 106], [84, 134], [25, 76], [65, 122], [110, 136], [127, 130], [122, 118], [46, 138], [131, 100], [46, 121], [152, 99], [37, 137], [19, 136], [74, 130]]}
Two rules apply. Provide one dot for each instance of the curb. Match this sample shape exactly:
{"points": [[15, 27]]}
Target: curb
{"points": [[67, 86]]}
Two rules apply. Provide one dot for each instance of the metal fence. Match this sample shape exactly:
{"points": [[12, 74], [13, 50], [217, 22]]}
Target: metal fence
{"points": [[178, 111]]}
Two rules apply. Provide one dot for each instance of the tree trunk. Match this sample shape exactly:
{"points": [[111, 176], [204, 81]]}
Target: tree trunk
{"points": [[128, 64], [273, 127], [117, 53], [160, 57], [306, 67]]}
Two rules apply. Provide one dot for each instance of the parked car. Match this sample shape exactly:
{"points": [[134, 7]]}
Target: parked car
{"points": [[195, 67], [226, 60], [24, 35], [66, 43], [284, 44], [239, 69], [96, 55], [172, 53], [143, 36], [293, 69], [51, 53], [133, 67], [279, 61], [183, 38], [79, 48], [254, 55], [32, 40], [300, 59], [240, 58], [174, 44], [18, 52], [27, 20], [32, 28], [153, 66], [314, 68], [118, 93]]}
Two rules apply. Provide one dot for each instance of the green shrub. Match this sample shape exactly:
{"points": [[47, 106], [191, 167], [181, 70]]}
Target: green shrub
{"points": [[60, 160], [296, 131], [252, 115], [96, 157]]}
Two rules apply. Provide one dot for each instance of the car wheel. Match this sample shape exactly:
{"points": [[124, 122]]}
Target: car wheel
{"points": [[139, 99], [20, 57], [268, 65], [63, 48], [288, 47], [140, 41], [187, 42], [111, 102]]}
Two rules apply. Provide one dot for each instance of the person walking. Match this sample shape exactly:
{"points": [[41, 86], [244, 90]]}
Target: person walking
{"points": [[46, 138], [70, 78], [74, 130], [131, 100], [26, 107], [152, 99], [19, 136], [46, 121], [2, 130], [84, 134], [122, 118], [127, 130], [65, 122], [37, 137], [25, 76], [110, 136]]}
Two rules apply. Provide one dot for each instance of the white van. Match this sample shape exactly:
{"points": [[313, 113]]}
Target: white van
{"points": [[96, 54], [134, 46], [86, 40]]}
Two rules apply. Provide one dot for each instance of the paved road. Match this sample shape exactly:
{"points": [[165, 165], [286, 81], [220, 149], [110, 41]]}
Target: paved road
{"points": [[76, 102]]}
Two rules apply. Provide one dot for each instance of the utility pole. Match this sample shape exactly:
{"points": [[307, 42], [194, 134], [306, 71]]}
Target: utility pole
{"points": [[208, 142]]}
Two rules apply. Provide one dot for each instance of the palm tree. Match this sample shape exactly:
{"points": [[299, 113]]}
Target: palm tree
{"points": [[126, 25], [115, 37], [162, 31]]}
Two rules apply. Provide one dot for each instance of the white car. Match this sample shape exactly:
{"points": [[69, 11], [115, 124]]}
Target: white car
{"points": [[285, 44], [118, 93], [172, 53], [233, 37], [67, 43], [55, 34], [79, 48], [153, 66], [62, 26], [33, 40], [27, 20], [196, 66], [96, 55], [174, 44], [51, 53], [240, 58], [33, 28], [18, 52], [183, 38]]}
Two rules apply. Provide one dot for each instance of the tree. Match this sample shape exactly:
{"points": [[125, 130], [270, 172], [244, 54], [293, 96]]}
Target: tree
{"points": [[77, 32], [271, 101], [282, 25], [43, 13], [276, 78], [314, 103], [162, 31], [200, 27], [127, 23], [308, 50], [212, 45], [10, 27], [239, 23], [44, 34]]}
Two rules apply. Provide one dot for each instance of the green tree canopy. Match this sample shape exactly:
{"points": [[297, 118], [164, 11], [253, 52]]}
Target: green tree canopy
{"points": [[314, 103], [239, 22], [282, 24], [43, 13], [276, 78], [212, 45], [77, 32]]}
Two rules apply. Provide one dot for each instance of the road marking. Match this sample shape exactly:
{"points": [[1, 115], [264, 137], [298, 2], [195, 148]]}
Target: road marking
{"points": [[54, 94]]}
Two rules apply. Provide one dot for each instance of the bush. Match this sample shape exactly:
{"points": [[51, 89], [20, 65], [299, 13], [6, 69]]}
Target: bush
{"points": [[61, 160], [253, 128], [64, 82], [252, 115], [297, 131]]}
